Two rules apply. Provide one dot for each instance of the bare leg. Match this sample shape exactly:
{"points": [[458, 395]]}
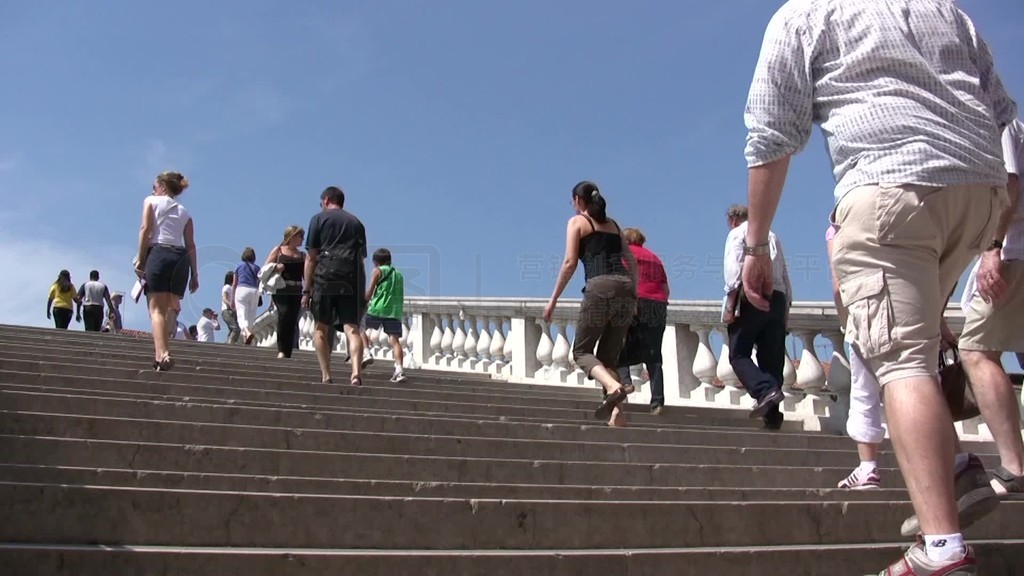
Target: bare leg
{"points": [[322, 343], [158, 318], [355, 348], [998, 404], [867, 452], [396, 347], [924, 443]]}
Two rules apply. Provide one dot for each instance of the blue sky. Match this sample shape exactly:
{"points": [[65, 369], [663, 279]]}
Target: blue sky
{"points": [[457, 129]]}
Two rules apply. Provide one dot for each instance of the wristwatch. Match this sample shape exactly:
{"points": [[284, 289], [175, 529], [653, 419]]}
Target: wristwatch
{"points": [[759, 250], [996, 245]]}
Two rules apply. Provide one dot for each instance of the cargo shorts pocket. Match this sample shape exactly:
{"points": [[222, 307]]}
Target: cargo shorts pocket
{"points": [[869, 322]]}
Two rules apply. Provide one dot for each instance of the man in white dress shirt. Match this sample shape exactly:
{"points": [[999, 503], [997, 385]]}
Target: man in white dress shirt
{"points": [[994, 323], [911, 108], [748, 326]]}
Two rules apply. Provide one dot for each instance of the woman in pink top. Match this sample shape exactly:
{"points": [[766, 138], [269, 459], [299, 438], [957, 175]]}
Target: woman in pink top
{"points": [[643, 342]]}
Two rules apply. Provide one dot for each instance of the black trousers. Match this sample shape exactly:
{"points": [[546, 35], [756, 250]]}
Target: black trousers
{"points": [[766, 330], [289, 308], [92, 317], [62, 317]]}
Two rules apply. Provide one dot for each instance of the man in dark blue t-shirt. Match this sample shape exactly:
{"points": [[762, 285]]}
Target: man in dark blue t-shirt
{"points": [[335, 279]]}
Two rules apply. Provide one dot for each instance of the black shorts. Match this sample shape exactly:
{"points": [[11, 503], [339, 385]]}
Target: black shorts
{"points": [[391, 326], [167, 270]]}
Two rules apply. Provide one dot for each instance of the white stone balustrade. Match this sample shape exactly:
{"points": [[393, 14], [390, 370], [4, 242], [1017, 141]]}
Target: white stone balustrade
{"points": [[506, 338]]}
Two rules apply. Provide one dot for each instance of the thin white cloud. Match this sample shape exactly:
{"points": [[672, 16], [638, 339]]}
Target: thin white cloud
{"points": [[32, 265]]}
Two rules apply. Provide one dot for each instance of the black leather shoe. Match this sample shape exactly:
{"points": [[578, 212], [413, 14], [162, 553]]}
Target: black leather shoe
{"points": [[772, 399]]}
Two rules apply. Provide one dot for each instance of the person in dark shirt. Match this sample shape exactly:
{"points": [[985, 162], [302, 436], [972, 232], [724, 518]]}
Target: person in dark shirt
{"points": [[335, 279]]}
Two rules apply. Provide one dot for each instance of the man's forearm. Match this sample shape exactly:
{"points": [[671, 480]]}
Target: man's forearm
{"points": [[763, 194]]}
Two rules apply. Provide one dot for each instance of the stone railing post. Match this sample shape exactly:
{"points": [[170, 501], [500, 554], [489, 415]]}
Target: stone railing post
{"points": [[524, 339]]}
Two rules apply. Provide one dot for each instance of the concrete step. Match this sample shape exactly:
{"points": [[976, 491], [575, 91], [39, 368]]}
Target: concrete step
{"points": [[42, 399], [358, 399], [52, 513], [294, 371], [407, 489], [996, 557], [209, 458], [176, 424], [375, 385]]}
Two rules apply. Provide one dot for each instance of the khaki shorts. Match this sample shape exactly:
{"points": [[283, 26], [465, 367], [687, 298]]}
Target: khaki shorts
{"points": [[998, 327], [899, 252]]}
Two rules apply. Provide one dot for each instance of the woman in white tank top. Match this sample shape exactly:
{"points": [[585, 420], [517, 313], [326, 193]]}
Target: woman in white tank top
{"points": [[167, 254]]}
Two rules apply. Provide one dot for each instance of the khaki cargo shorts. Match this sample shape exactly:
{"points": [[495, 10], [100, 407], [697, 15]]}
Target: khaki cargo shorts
{"points": [[899, 252], [997, 327]]}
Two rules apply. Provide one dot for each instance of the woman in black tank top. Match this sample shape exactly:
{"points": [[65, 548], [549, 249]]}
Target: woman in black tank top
{"points": [[609, 298], [290, 262]]}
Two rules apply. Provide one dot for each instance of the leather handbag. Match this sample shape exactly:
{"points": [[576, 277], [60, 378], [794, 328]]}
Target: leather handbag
{"points": [[956, 388]]}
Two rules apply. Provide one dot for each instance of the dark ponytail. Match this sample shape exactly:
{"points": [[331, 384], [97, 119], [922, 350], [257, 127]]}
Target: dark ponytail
{"points": [[597, 207]]}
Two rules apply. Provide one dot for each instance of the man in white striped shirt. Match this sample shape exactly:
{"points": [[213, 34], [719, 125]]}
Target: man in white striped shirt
{"points": [[911, 107]]}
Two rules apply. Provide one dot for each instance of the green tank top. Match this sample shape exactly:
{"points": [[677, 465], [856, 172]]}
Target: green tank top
{"points": [[389, 295]]}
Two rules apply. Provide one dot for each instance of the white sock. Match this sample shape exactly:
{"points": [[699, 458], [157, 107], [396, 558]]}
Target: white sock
{"points": [[398, 368], [867, 466], [961, 461], [945, 547]]}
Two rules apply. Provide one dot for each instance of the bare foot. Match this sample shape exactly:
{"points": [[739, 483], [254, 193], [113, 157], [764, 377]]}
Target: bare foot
{"points": [[618, 419]]}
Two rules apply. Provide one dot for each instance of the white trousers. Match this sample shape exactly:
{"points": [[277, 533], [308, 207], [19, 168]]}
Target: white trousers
{"points": [[865, 421], [246, 302]]}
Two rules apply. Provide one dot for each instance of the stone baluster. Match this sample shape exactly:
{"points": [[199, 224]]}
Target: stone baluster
{"points": [[545, 347], [498, 346], [459, 340], [788, 373], [470, 344], [705, 365], [679, 348], [434, 354], [733, 392], [839, 366], [408, 341], [724, 369], [509, 351], [448, 340], [483, 345], [810, 376], [560, 353]]}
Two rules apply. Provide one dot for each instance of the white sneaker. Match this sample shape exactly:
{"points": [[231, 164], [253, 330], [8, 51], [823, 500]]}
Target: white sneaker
{"points": [[367, 359], [398, 377], [859, 480]]}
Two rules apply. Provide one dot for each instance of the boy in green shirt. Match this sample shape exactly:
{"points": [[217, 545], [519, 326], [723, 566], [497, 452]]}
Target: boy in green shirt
{"points": [[386, 295]]}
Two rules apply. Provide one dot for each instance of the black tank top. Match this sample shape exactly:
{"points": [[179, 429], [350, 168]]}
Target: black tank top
{"points": [[601, 252], [294, 270]]}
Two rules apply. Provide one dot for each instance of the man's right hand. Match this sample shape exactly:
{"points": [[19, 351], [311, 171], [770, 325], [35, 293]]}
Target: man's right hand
{"points": [[991, 281]]}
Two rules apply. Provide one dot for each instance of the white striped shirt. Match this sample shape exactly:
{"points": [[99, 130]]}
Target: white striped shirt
{"points": [[905, 92], [1013, 155]]}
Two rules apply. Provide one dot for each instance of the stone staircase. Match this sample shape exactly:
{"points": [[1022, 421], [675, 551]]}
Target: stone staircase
{"points": [[235, 463]]}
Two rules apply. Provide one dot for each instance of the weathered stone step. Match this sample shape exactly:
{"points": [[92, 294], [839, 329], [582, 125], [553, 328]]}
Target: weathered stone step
{"points": [[159, 429], [995, 557], [206, 458], [407, 489], [284, 372], [375, 385], [44, 513], [351, 398], [47, 399]]}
